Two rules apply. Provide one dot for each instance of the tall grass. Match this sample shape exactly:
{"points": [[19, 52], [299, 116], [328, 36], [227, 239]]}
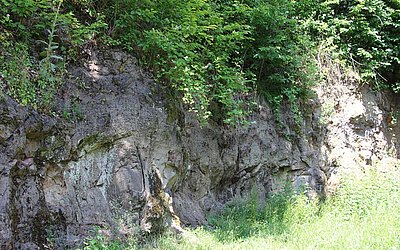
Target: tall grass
{"points": [[364, 214]]}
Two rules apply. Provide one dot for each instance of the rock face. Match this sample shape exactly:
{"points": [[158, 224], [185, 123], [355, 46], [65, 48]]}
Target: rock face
{"points": [[125, 162], [362, 125]]}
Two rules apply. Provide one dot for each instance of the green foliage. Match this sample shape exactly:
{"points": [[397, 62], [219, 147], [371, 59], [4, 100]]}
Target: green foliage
{"points": [[327, 110], [211, 53], [16, 69], [37, 38], [248, 218], [73, 112], [362, 215], [28, 80], [361, 198], [106, 239], [366, 33], [281, 49], [194, 47], [100, 242], [281, 55]]}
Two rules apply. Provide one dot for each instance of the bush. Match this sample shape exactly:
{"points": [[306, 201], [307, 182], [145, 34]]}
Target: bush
{"points": [[36, 40], [193, 47], [211, 53], [366, 33]]}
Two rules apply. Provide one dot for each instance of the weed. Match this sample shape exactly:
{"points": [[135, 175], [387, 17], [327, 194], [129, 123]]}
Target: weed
{"points": [[73, 111]]}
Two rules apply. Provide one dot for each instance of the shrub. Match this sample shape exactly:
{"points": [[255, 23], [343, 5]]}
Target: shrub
{"points": [[211, 53], [366, 33], [37, 38]]}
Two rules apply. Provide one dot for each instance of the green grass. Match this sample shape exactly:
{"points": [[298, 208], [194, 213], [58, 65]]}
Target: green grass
{"points": [[364, 214]]}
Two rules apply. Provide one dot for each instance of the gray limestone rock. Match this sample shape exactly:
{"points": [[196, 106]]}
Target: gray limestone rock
{"points": [[123, 164]]}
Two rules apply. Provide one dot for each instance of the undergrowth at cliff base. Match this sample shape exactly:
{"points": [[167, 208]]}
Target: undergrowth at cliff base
{"points": [[362, 215]]}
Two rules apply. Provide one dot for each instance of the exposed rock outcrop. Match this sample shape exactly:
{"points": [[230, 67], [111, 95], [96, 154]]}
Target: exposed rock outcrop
{"points": [[362, 128], [126, 163]]}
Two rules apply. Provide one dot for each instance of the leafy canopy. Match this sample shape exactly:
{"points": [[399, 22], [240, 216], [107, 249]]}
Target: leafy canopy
{"points": [[211, 54]]}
